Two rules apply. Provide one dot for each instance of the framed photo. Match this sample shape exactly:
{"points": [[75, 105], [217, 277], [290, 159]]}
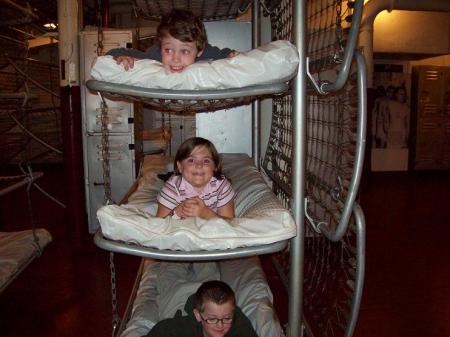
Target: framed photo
{"points": [[390, 118]]}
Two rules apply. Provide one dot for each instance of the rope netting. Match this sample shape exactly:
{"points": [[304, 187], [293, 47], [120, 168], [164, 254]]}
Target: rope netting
{"points": [[207, 10], [329, 267], [30, 116]]}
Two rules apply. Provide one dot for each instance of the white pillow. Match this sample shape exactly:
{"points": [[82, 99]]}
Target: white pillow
{"points": [[274, 62]]}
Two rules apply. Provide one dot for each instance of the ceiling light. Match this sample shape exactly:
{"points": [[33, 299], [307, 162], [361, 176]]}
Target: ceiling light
{"points": [[50, 25]]}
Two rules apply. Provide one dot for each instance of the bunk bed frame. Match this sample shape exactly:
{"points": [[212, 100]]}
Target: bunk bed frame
{"points": [[19, 249], [314, 162]]}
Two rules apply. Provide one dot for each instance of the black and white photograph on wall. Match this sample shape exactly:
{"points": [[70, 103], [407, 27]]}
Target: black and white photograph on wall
{"points": [[390, 116], [390, 123]]}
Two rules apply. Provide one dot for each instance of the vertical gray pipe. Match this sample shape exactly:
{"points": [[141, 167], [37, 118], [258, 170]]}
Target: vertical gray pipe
{"points": [[68, 28], [298, 170], [256, 116], [374, 7]]}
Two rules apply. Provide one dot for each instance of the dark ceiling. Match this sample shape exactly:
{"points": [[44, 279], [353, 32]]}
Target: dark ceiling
{"points": [[21, 20]]}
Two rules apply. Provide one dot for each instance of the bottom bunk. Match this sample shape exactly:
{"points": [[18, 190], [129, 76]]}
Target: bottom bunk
{"points": [[245, 276], [17, 250]]}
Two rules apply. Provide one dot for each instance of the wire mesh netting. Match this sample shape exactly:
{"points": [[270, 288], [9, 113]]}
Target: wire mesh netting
{"points": [[207, 10], [30, 116], [329, 267]]}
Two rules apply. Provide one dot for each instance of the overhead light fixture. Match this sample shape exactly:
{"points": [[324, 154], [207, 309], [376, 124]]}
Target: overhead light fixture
{"points": [[50, 25]]}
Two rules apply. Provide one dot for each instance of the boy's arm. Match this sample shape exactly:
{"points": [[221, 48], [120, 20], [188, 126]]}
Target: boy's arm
{"points": [[152, 53], [241, 326], [214, 53]]}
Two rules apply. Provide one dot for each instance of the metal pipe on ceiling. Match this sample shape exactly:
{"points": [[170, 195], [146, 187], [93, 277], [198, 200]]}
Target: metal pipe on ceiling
{"points": [[26, 10], [374, 7]]}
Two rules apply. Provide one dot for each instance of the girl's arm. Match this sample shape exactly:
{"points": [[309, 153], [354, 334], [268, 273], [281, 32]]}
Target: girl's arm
{"points": [[227, 211], [196, 207], [162, 211]]}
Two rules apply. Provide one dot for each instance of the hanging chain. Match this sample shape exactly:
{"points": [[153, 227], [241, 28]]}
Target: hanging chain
{"points": [[106, 170], [115, 313], [99, 29], [30, 211], [105, 151], [339, 33]]}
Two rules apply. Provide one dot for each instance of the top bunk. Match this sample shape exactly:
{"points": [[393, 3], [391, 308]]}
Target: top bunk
{"points": [[203, 86]]}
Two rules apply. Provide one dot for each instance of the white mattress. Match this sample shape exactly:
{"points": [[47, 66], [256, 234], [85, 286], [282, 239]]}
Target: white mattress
{"points": [[17, 249], [261, 219], [274, 62]]}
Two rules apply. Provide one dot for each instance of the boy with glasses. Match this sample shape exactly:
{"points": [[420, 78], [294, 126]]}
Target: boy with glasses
{"points": [[212, 312]]}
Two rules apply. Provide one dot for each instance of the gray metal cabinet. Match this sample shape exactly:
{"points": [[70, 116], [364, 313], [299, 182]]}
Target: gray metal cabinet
{"points": [[430, 118], [121, 129]]}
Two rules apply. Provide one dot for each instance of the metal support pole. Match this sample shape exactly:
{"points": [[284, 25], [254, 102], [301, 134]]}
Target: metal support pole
{"points": [[298, 171], [256, 113], [71, 117]]}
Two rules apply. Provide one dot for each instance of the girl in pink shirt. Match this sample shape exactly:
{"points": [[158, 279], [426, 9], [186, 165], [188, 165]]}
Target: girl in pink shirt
{"points": [[198, 188]]}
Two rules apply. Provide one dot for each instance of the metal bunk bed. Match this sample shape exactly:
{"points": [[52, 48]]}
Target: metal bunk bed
{"points": [[314, 160], [19, 249]]}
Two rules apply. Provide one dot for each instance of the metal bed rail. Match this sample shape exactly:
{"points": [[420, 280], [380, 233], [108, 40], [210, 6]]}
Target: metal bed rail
{"points": [[337, 234], [178, 255]]}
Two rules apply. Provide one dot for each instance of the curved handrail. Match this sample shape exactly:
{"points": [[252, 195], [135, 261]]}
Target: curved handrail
{"points": [[344, 71], [360, 223], [253, 90], [178, 255], [341, 228], [189, 100]]}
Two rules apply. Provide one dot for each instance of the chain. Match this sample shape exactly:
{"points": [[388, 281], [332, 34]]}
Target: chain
{"points": [[30, 210], [106, 170], [115, 313], [105, 152], [100, 29], [339, 33]]}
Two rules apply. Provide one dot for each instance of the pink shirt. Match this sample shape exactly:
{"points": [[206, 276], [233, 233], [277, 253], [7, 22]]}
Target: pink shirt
{"points": [[216, 194]]}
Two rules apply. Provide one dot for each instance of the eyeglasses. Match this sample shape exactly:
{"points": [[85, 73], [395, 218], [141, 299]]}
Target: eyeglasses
{"points": [[225, 320]]}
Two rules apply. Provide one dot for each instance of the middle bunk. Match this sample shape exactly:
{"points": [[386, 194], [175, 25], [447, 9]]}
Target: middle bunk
{"points": [[262, 225]]}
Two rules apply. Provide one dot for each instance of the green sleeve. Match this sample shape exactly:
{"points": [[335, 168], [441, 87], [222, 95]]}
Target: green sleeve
{"points": [[242, 327], [176, 327]]}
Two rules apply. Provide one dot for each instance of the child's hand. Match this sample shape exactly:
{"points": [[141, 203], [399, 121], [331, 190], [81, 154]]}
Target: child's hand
{"points": [[196, 207], [233, 53], [179, 211], [126, 61]]}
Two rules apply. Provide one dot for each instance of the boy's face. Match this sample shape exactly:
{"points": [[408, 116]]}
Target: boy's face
{"points": [[177, 55], [212, 311]]}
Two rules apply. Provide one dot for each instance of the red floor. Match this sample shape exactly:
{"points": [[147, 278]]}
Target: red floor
{"points": [[66, 292]]}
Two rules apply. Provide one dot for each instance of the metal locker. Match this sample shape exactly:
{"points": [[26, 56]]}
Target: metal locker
{"points": [[430, 120], [121, 128]]}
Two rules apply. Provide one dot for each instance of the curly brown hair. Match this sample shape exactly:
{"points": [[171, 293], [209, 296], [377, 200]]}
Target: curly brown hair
{"points": [[183, 25]]}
